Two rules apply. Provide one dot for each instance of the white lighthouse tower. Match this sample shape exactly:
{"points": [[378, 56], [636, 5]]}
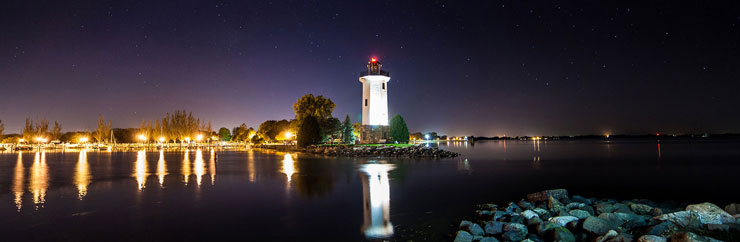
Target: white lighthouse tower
{"points": [[374, 94], [374, 103]]}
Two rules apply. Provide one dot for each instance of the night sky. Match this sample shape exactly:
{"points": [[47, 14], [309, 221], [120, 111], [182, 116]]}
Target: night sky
{"points": [[459, 68]]}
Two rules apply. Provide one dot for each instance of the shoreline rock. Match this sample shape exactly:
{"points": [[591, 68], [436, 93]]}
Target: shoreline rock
{"points": [[552, 215], [414, 151]]}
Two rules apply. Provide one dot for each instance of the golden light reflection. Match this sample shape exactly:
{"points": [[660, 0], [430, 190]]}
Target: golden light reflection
{"points": [[141, 169], [250, 166], [288, 167], [39, 181], [186, 167], [161, 168], [212, 166], [376, 199], [199, 166], [82, 174], [18, 182]]}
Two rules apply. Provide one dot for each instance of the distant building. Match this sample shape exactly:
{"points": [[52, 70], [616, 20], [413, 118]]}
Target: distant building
{"points": [[374, 103]]}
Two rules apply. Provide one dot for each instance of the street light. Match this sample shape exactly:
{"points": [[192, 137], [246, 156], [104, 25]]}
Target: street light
{"points": [[83, 140], [199, 137], [187, 139], [142, 137], [288, 134], [161, 139]]}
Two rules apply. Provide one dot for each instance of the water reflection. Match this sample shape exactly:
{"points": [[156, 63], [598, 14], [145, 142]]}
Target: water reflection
{"points": [[82, 175], [212, 166], [18, 182], [288, 167], [39, 179], [200, 168], [376, 200], [186, 167], [141, 169], [161, 168], [250, 166]]}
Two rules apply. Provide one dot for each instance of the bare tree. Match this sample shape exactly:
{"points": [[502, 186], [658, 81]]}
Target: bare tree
{"points": [[56, 132], [101, 134]]}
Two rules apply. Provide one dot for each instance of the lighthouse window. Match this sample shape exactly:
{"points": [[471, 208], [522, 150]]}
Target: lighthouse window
{"points": [[365, 102], [383, 86]]}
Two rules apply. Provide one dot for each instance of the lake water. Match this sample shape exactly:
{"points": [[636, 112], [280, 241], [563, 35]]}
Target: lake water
{"points": [[207, 195]]}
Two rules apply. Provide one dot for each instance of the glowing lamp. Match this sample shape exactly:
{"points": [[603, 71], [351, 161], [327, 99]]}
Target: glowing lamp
{"points": [[373, 60], [199, 137], [161, 139], [142, 137], [83, 140]]}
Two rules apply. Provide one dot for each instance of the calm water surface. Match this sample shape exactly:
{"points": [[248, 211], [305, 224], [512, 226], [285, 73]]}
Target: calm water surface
{"points": [[204, 194]]}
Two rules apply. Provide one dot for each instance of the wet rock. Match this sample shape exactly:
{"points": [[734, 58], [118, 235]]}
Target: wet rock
{"points": [[554, 205], [612, 218], [641, 209], [498, 214], [621, 208], [718, 227], [711, 214], [515, 232], [688, 219], [580, 214], [533, 238], [543, 213], [561, 234], [574, 205], [563, 220], [604, 207], [494, 227], [581, 199], [609, 235], [528, 214], [545, 226], [733, 208], [544, 195], [465, 224], [524, 204], [485, 214], [489, 239], [651, 238], [517, 219], [513, 208], [691, 237], [534, 221], [475, 229], [597, 225], [463, 236], [663, 229]]}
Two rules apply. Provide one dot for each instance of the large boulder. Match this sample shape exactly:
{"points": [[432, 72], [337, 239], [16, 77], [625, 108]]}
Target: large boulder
{"points": [[544, 195], [597, 225], [686, 219], [562, 220], [554, 205], [463, 236], [711, 214], [663, 229], [561, 234], [515, 232], [604, 207]]}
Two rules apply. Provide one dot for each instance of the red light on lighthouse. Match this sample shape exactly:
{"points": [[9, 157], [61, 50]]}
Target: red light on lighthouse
{"points": [[373, 60]]}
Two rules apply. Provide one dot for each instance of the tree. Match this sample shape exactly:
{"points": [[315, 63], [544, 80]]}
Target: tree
{"points": [[399, 131], [224, 134], [56, 132], [318, 107], [2, 128], [331, 127], [347, 136], [272, 129], [356, 127], [157, 131], [242, 133], [310, 132], [33, 130], [103, 131]]}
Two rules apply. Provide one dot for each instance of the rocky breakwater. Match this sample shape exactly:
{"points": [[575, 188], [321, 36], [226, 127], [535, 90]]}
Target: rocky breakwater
{"points": [[552, 215], [415, 151]]}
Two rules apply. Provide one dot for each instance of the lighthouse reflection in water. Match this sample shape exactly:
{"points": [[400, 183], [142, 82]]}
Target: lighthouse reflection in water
{"points": [[376, 200]]}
